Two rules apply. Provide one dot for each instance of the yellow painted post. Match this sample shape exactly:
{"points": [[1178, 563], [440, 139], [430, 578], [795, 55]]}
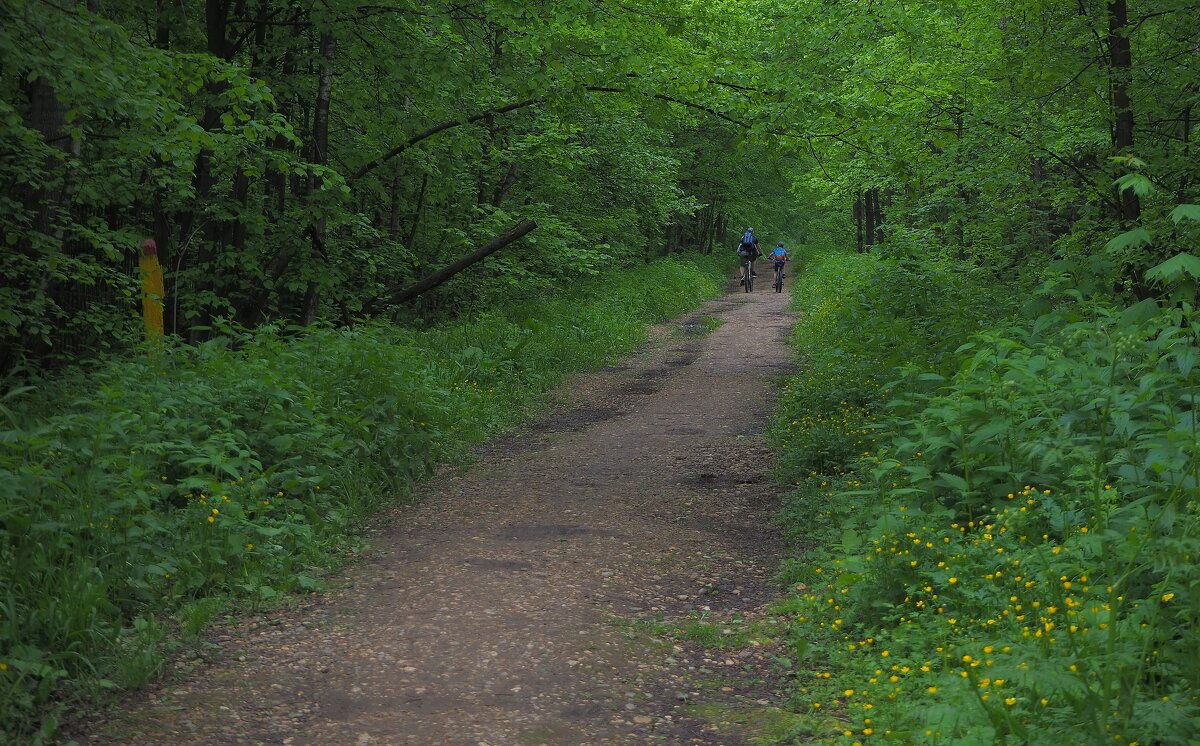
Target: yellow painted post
{"points": [[153, 289]]}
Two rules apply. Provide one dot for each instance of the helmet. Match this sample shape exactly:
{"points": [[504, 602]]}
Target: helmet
{"points": [[781, 243]]}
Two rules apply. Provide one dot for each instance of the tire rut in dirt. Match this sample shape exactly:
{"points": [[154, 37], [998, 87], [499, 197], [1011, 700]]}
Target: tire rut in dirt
{"points": [[535, 533], [488, 563]]}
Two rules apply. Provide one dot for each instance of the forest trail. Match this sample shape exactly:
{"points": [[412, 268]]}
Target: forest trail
{"points": [[516, 602]]}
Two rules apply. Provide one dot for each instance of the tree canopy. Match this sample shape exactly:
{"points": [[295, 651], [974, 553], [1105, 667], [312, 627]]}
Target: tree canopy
{"points": [[310, 161]]}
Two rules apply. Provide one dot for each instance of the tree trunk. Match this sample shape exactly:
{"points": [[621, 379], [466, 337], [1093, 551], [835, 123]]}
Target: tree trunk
{"points": [[394, 203], [320, 136], [162, 28], [879, 217], [416, 221], [1185, 136], [707, 224], [312, 301], [320, 156], [47, 115], [1120, 57], [868, 219], [859, 212], [216, 24], [506, 184]]}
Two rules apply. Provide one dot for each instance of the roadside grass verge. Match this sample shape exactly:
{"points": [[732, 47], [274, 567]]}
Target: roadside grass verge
{"points": [[995, 518], [148, 494]]}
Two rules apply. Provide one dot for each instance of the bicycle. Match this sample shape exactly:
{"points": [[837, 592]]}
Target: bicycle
{"points": [[779, 276], [748, 273]]}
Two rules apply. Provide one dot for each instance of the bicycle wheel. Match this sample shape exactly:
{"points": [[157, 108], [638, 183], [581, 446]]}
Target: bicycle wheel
{"points": [[779, 280], [749, 278]]}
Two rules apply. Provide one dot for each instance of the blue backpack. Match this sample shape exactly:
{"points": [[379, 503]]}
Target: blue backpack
{"points": [[747, 239]]}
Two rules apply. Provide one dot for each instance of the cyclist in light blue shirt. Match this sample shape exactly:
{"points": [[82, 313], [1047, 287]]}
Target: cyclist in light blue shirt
{"points": [[779, 255]]}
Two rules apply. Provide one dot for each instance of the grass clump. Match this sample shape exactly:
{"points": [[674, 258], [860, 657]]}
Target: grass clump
{"points": [[145, 495], [1012, 561]]}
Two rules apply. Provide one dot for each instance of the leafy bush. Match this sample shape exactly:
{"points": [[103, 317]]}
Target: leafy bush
{"points": [[239, 467], [1017, 562], [862, 319]]}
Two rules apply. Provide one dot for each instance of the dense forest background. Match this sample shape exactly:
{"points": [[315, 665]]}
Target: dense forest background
{"points": [[314, 174], [306, 161], [312, 161]]}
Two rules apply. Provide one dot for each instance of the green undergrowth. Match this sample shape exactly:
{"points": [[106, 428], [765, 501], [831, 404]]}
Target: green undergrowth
{"points": [[994, 517], [862, 320], [147, 494]]}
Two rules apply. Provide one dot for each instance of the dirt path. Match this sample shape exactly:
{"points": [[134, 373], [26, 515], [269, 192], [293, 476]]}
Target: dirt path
{"points": [[519, 601]]}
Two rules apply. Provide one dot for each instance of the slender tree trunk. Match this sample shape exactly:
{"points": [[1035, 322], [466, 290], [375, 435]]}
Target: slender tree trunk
{"points": [[506, 184], [858, 224], [707, 223], [394, 203], [411, 238], [1185, 137], [47, 116], [1121, 67], [878, 239], [868, 219], [216, 24], [162, 27], [320, 156], [320, 137]]}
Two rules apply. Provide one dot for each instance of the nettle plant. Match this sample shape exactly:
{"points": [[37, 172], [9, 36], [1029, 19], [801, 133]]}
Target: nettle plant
{"points": [[1031, 570], [852, 340]]}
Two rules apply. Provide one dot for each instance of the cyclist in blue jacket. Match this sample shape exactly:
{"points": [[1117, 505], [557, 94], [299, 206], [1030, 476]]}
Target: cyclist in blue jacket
{"points": [[748, 251]]}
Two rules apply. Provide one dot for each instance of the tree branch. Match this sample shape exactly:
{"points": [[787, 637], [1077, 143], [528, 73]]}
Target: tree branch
{"points": [[401, 294], [672, 99], [376, 163]]}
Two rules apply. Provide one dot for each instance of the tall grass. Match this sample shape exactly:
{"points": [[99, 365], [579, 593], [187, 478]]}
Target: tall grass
{"points": [[133, 491]]}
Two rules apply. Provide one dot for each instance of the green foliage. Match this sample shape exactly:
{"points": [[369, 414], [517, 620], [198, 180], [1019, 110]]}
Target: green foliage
{"points": [[862, 319], [239, 468], [1015, 563], [202, 127], [98, 122]]}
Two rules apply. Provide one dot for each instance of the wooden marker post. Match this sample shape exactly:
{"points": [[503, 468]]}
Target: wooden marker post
{"points": [[153, 289]]}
